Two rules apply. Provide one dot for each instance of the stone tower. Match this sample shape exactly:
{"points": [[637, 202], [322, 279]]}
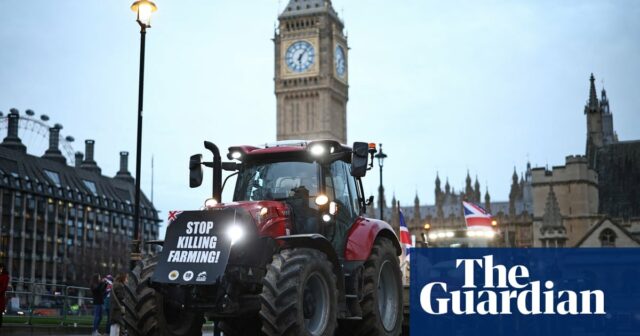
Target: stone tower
{"points": [[594, 117], [608, 134], [487, 200], [575, 189], [311, 72]]}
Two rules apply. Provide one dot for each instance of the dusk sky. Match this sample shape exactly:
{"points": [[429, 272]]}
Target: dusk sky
{"points": [[446, 86]]}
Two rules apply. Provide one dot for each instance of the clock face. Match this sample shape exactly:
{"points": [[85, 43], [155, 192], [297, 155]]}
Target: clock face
{"points": [[300, 56], [340, 62]]}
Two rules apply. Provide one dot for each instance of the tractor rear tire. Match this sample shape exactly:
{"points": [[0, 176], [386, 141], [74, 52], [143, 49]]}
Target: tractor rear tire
{"points": [[154, 316], [382, 294], [299, 295]]}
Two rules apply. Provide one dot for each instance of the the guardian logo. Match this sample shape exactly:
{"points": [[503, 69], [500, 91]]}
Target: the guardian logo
{"points": [[511, 292]]}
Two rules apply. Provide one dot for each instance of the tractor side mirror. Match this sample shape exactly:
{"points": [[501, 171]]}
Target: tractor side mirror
{"points": [[195, 170], [359, 159]]}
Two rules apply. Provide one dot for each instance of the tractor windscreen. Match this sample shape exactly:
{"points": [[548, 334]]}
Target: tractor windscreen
{"points": [[278, 181], [293, 182]]}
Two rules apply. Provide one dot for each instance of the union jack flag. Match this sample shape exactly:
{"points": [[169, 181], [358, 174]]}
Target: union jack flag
{"points": [[405, 237], [476, 216], [173, 215]]}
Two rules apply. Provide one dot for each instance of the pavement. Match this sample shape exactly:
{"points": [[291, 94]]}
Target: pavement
{"points": [[23, 330]]}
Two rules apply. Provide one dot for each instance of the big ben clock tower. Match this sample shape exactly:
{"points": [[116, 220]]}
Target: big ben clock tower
{"points": [[311, 72]]}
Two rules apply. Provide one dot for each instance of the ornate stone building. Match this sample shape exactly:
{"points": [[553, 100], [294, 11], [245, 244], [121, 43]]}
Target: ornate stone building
{"points": [[592, 200], [616, 162], [311, 72], [597, 193], [514, 217]]}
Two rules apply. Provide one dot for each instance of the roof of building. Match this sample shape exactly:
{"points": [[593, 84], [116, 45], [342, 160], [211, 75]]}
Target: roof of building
{"points": [[308, 7], [23, 171], [618, 167], [602, 222]]}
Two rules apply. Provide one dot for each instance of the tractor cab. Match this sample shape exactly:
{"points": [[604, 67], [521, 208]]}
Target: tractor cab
{"points": [[317, 180], [320, 191]]}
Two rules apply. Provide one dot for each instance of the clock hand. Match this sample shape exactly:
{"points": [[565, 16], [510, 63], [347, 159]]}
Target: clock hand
{"points": [[300, 57]]}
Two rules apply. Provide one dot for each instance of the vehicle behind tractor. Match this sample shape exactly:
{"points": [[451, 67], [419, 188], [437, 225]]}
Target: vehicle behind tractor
{"points": [[292, 254]]}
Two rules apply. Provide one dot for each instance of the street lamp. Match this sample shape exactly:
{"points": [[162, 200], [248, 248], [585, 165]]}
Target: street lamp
{"points": [[143, 9], [381, 156]]}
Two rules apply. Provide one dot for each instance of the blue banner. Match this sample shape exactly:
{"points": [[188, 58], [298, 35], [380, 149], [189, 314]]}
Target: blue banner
{"points": [[527, 292]]}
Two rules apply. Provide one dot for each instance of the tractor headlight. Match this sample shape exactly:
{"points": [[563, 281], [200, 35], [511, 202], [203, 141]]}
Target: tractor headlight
{"points": [[322, 200], [317, 150], [235, 233]]}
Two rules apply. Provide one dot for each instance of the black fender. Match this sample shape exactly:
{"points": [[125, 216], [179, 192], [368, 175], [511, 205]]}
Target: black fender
{"points": [[322, 244]]}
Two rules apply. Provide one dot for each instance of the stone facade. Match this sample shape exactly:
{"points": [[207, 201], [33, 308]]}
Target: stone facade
{"points": [[311, 72], [608, 233], [575, 187]]}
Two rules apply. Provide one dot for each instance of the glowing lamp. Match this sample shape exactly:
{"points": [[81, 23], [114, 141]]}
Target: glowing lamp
{"points": [[143, 9]]}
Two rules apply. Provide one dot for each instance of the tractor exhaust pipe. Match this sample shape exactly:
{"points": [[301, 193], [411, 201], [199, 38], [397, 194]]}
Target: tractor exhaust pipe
{"points": [[217, 170]]}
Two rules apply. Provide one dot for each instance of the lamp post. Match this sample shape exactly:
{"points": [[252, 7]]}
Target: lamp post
{"points": [[381, 156], [143, 10]]}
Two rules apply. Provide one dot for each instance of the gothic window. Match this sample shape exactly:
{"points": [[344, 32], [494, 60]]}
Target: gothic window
{"points": [[608, 238]]}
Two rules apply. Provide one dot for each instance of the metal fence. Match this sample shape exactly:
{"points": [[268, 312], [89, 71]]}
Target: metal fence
{"points": [[36, 303]]}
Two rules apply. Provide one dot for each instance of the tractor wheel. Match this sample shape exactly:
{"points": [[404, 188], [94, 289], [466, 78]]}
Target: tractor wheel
{"points": [[153, 314], [299, 295], [382, 294]]}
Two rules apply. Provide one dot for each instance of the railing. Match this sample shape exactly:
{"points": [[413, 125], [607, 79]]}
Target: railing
{"points": [[33, 303]]}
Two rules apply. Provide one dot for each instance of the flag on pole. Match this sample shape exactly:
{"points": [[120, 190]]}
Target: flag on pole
{"points": [[476, 216], [405, 237]]}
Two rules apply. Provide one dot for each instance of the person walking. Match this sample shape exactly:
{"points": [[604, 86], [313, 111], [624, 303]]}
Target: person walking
{"points": [[97, 291], [4, 284], [117, 305], [106, 308]]}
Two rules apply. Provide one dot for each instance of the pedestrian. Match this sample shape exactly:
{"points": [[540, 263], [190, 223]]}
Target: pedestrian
{"points": [[4, 284], [108, 280], [97, 290], [118, 309]]}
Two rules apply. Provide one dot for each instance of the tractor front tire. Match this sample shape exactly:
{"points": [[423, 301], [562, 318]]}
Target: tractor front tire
{"points": [[299, 295], [382, 294], [154, 315]]}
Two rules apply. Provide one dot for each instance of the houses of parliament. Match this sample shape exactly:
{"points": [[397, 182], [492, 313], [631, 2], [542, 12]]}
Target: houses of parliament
{"points": [[590, 201], [593, 200]]}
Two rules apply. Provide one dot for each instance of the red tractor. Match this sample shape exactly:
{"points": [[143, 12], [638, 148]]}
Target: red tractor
{"points": [[292, 254]]}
